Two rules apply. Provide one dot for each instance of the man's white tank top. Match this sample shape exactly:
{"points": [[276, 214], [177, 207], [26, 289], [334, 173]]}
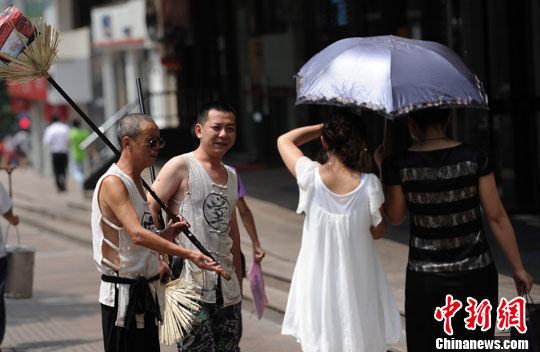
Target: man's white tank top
{"points": [[135, 260], [208, 208]]}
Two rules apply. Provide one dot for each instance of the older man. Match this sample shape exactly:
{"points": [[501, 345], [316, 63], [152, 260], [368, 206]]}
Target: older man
{"points": [[127, 247], [204, 190]]}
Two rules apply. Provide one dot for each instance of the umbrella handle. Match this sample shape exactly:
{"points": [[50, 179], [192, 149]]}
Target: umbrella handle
{"points": [[384, 132], [388, 138]]}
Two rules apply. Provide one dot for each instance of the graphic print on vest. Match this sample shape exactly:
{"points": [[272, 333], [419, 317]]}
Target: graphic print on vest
{"points": [[147, 221], [216, 212]]}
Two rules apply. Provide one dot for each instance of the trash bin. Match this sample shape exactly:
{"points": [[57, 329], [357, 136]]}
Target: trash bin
{"points": [[20, 269]]}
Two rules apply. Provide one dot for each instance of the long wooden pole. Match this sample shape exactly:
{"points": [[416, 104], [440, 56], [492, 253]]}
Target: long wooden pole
{"points": [[163, 206]]}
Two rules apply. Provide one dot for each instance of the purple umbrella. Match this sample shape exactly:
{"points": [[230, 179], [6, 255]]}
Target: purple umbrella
{"points": [[389, 75]]}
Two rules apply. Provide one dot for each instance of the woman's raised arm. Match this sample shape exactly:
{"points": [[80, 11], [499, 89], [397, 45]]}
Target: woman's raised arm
{"points": [[288, 143]]}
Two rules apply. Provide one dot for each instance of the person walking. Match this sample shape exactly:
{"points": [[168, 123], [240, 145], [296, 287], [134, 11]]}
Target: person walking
{"points": [[127, 245], [6, 209], [204, 190], [442, 183], [56, 137], [78, 155], [22, 142], [340, 299]]}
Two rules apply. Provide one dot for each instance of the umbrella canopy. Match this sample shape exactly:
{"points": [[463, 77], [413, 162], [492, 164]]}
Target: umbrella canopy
{"points": [[389, 75]]}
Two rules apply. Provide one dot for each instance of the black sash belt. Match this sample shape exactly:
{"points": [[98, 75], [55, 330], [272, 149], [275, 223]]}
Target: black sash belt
{"points": [[140, 296]]}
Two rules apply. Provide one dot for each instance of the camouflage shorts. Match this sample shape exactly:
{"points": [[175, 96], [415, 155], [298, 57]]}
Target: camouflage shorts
{"points": [[216, 329]]}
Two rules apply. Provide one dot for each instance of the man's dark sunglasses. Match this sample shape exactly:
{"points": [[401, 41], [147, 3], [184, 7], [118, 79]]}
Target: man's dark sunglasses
{"points": [[156, 143]]}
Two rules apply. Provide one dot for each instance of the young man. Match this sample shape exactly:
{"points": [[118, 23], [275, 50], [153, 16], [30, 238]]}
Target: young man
{"points": [[126, 246], [204, 191]]}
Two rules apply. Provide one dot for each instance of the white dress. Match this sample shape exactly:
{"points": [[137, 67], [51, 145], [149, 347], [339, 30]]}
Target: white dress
{"points": [[340, 299]]}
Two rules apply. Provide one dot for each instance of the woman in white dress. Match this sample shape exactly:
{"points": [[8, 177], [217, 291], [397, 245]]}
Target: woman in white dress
{"points": [[340, 299]]}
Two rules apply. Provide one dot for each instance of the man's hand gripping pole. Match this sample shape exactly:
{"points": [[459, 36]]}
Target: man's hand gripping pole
{"points": [[186, 232]]}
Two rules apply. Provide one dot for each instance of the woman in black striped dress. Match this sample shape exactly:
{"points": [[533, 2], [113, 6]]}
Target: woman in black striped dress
{"points": [[442, 183]]}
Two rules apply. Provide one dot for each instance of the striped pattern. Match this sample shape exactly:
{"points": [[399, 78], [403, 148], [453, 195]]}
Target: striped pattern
{"points": [[441, 191], [441, 173], [441, 197]]}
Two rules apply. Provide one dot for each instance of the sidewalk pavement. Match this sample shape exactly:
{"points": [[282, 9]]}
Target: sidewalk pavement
{"points": [[64, 313], [271, 198]]}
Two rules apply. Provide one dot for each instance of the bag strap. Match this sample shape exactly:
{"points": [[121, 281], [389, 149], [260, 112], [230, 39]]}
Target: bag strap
{"points": [[9, 226]]}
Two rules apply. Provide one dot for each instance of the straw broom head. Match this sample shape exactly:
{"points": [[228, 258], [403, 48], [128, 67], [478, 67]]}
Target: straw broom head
{"points": [[180, 309], [36, 59]]}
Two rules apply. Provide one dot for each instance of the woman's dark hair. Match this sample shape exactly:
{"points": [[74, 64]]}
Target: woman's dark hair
{"points": [[345, 135], [430, 117]]}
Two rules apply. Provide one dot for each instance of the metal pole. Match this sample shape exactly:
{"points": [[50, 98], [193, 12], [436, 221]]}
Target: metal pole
{"points": [[85, 117], [143, 111]]}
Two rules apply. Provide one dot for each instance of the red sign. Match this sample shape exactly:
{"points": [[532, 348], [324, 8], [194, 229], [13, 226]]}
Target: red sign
{"points": [[20, 105], [35, 90], [60, 111]]}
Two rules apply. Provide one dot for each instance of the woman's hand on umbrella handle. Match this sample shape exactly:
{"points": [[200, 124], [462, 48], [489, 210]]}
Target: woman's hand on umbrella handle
{"points": [[523, 281]]}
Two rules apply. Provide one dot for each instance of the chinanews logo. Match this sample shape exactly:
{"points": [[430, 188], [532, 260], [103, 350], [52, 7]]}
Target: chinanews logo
{"points": [[447, 344], [510, 314]]}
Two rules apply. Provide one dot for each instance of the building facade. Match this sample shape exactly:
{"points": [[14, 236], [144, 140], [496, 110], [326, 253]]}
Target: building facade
{"points": [[247, 52]]}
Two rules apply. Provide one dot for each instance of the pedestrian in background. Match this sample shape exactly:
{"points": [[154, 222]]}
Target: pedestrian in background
{"points": [[340, 299], [10, 153], [6, 209], [442, 183], [22, 142], [78, 155], [56, 137]]}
